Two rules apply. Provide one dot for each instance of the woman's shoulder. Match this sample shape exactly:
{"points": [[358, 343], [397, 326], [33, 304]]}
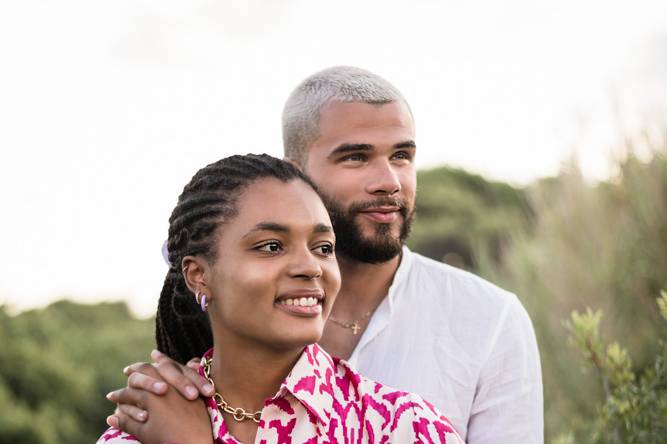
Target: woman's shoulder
{"points": [[403, 415], [115, 436]]}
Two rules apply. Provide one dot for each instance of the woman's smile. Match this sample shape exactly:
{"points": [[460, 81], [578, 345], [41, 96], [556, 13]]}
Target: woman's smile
{"points": [[304, 302]]}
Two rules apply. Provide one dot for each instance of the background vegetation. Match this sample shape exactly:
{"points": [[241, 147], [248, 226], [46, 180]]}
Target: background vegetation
{"points": [[561, 244], [56, 365]]}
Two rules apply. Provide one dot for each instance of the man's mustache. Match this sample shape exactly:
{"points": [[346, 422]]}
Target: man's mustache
{"points": [[401, 204]]}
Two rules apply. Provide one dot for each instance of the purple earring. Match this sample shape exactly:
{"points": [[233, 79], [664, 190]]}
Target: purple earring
{"points": [[202, 303]]}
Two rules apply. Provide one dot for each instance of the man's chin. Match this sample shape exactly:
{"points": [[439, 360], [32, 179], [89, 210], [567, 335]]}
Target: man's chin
{"points": [[373, 250], [379, 232]]}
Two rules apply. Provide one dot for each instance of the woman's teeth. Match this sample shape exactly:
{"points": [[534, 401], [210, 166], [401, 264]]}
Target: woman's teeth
{"points": [[300, 302]]}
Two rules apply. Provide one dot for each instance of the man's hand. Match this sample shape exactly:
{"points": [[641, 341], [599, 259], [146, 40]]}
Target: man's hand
{"points": [[165, 416], [156, 378], [184, 378]]}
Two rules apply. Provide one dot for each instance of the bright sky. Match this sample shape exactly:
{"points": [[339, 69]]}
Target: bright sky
{"points": [[107, 108]]}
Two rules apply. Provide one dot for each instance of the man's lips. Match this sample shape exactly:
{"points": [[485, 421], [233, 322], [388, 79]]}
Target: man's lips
{"points": [[382, 214]]}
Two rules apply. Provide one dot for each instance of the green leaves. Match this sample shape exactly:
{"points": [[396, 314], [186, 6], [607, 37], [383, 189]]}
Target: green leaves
{"points": [[634, 409], [662, 303], [57, 363]]}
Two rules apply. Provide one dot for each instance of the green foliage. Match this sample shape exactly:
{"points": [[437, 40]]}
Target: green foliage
{"points": [[462, 215], [634, 408], [56, 365], [602, 245]]}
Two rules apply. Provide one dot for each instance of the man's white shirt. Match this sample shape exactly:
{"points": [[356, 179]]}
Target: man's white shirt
{"points": [[463, 344]]}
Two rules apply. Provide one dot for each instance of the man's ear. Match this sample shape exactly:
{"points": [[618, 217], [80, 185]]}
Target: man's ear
{"points": [[196, 272], [293, 162]]}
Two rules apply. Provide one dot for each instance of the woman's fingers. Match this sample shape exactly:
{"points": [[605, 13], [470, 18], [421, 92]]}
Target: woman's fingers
{"points": [[184, 379]]}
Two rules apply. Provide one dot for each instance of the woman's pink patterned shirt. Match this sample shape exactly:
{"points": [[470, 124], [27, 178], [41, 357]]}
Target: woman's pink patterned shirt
{"points": [[323, 400]]}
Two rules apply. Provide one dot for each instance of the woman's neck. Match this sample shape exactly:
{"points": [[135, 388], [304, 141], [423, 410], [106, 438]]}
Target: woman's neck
{"points": [[246, 375]]}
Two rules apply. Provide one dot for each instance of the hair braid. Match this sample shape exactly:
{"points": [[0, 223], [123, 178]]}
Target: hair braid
{"points": [[182, 330]]}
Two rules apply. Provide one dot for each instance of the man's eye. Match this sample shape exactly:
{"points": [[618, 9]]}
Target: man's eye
{"points": [[356, 157], [402, 155], [270, 247]]}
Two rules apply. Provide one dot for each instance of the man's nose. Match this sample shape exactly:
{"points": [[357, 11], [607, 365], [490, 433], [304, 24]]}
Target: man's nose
{"points": [[384, 180]]}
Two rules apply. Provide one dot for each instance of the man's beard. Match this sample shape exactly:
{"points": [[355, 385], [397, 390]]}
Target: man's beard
{"points": [[377, 248]]}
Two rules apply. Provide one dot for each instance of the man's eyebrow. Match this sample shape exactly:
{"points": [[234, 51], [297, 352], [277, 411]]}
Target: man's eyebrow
{"points": [[406, 144], [267, 226], [322, 228], [350, 147]]}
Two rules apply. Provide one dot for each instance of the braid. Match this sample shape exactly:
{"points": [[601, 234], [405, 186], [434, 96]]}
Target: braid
{"points": [[182, 330]]}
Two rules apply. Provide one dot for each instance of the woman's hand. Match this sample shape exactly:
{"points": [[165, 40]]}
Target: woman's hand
{"points": [[158, 418]]}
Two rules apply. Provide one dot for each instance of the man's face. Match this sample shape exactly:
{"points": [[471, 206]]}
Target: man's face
{"points": [[363, 162]]}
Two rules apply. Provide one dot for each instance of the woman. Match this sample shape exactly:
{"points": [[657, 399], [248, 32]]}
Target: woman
{"points": [[251, 249]]}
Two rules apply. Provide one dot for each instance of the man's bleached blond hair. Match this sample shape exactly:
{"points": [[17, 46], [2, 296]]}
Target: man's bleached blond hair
{"points": [[337, 84]]}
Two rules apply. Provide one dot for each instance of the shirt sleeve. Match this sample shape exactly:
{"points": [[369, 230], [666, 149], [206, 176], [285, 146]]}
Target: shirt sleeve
{"points": [[115, 436], [508, 404]]}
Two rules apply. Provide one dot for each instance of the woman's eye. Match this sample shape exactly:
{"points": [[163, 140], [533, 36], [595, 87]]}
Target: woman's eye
{"points": [[270, 247], [325, 249]]}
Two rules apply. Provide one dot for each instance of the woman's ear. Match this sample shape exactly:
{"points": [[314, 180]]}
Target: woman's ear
{"points": [[196, 272]]}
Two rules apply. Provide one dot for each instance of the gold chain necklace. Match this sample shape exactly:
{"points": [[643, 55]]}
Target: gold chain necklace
{"points": [[237, 413], [354, 325]]}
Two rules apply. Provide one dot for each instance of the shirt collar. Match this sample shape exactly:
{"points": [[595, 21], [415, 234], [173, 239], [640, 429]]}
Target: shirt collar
{"points": [[401, 274], [384, 312], [311, 382]]}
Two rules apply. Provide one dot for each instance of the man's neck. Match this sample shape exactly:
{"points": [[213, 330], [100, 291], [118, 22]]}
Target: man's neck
{"points": [[363, 287]]}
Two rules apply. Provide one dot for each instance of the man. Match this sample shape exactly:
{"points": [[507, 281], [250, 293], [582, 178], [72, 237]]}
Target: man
{"points": [[400, 318]]}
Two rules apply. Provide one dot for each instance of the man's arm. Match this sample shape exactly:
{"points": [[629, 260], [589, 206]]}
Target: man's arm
{"points": [[508, 404]]}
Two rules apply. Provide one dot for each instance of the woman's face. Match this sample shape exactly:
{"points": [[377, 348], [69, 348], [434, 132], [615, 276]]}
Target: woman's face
{"points": [[275, 277]]}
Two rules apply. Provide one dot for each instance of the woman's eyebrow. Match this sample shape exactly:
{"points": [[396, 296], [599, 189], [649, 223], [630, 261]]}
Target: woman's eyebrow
{"points": [[280, 228], [268, 226], [322, 228]]}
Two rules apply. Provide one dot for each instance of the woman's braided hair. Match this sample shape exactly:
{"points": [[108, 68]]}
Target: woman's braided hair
{"points": [[182, 330]]}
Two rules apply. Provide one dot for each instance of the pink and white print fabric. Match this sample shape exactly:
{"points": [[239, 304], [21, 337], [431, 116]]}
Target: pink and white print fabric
{"points": [[323, 400]]}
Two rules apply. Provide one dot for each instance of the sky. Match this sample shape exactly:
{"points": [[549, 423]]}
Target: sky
{"points": [[107, 108]]}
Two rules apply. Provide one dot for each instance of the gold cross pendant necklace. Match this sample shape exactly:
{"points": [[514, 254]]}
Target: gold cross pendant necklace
{"points": [[354, 325]]}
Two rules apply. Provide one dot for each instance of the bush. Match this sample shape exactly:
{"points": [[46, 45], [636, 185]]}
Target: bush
{"points": [[634, 407]]}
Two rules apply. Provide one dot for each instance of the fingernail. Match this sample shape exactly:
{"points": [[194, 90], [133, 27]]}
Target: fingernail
{"points": [[126, 369], [159, 386], [208, 388], [112, 421], [142, 416], [191, 391], [109, 396], [156, 354]]}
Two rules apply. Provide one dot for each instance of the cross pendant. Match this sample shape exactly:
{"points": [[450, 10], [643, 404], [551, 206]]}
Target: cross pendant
{"points": [[355, 328]]}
